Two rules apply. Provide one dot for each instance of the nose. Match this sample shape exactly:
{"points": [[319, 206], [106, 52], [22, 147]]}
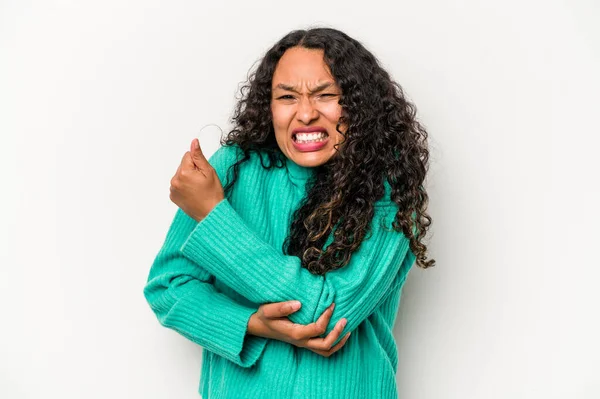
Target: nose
{"points": [[307, 112]]}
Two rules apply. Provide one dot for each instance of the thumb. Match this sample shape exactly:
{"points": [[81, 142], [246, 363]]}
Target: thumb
{"points": [[280, 309], [197, 155], [287, 308]]}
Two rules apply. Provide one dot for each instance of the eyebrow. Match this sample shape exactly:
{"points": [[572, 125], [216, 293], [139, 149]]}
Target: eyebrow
{"points": [[320, 87]]}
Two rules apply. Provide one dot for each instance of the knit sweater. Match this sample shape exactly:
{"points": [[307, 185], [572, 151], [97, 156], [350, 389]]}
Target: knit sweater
{"points": [[210, 277]]}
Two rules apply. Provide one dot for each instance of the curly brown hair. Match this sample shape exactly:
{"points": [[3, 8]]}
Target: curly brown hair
{"points": [[382, 134]]}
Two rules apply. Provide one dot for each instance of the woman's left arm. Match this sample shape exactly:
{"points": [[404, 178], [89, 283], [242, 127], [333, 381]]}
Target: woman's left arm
{"points": [[230, 250]]}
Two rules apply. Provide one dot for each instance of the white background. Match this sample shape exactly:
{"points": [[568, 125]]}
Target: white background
{"points": [[100, 100]]}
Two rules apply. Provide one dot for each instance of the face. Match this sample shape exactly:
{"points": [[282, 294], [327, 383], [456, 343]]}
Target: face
{"points": [[305, 108]]}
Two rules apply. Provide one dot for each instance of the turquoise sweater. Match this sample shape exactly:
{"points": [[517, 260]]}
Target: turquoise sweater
{"points": [[210, 277]]}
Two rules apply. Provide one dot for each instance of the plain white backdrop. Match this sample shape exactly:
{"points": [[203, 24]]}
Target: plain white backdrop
{"points": [[100, 100]]}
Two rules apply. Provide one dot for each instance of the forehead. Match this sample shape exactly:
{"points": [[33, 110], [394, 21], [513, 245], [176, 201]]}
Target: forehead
{"points": [[299, 65]]}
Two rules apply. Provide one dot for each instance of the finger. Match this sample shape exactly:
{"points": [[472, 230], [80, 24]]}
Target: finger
{"points": [[177, 174], [187, 161], [280, 309], [183, 159], [317, 328], [339, 345], [323, 320], [327, 342], [288, 308], [198, 156], [336, 348], [183, 162]]}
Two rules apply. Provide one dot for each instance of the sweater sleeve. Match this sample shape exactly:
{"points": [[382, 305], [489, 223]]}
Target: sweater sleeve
{"points": [[181, 294], [242, 260]]}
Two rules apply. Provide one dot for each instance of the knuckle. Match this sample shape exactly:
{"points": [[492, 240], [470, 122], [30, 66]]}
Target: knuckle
{"points": [[297, 335], [325, 346], [321, 346], [315, 329], [264, 311]]}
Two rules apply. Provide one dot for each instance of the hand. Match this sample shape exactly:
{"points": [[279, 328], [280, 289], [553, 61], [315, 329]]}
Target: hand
{"points": [[270, 321], [196, 188]]}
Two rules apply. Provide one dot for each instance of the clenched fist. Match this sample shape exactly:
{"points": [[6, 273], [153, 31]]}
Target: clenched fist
{"points": [[196, 188]]}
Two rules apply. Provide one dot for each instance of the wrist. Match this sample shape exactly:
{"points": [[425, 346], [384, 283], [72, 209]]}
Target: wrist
{"points": [[254, 325]]}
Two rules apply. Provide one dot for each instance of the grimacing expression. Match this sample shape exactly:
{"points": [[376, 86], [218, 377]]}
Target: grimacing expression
{"points": [[305, 108]]}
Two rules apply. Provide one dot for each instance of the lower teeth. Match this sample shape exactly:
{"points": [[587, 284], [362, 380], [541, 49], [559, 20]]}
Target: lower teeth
{"points": [[309, 141]]}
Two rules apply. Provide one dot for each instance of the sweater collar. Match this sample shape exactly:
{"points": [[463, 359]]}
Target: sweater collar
{"points": [[298, 172]]}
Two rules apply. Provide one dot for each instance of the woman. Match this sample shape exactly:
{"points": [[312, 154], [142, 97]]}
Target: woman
{"points": [[290, 247]]}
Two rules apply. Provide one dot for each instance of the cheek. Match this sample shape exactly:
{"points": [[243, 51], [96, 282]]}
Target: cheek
{"points": [[279, 115], [333, 114], [332, 111]]}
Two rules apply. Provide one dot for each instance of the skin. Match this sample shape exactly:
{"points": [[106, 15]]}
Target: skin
{"points": [[305, 94]]}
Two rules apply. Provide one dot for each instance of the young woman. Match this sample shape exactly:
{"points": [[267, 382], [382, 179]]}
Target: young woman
{"points": [[287, 256]]}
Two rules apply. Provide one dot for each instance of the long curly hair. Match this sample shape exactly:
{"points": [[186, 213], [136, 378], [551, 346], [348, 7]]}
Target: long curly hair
{"points": [[382, 134]]}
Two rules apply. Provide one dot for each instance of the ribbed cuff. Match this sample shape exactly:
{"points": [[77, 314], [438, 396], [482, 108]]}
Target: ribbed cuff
{"points": [[220, 327]]}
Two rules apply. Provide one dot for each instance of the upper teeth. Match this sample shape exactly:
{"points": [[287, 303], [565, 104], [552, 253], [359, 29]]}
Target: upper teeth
{"points": [[310, 136]]}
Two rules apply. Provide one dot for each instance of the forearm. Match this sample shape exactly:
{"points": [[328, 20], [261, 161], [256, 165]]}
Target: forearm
{"points": [[243, 261], [183, 298]]}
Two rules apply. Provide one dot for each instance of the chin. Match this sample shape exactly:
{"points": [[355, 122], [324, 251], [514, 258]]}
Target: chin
{"points": [[310, 160]]}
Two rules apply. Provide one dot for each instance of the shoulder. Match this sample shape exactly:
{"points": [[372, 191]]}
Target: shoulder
{"points": [[228, 155], [225, 155], [223, 158]]}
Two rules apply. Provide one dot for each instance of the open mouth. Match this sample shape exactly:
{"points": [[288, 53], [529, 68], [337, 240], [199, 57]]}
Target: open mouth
{"points": [[305, 138]]}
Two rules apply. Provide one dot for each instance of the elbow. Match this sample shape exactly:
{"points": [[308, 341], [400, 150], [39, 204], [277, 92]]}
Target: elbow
{"points": [[161, 294], [154, 296]]}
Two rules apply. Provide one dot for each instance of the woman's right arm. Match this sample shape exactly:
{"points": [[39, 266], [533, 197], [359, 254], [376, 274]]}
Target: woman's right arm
{"points": [[183, 298]]}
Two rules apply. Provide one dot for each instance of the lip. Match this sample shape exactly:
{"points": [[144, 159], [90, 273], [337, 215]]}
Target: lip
{"points": [[309, 129], [308, 147]]}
